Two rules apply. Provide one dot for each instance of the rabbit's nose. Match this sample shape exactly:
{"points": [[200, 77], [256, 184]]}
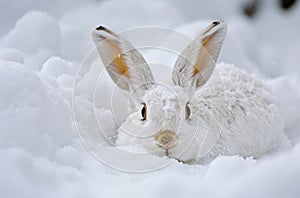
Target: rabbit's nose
{"points": [[166, 139]]}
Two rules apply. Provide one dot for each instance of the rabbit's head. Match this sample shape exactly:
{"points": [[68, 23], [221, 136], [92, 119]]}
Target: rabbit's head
{"points": [[162, 119]]}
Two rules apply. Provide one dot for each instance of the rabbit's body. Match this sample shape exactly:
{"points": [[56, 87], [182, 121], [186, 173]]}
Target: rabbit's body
{"points": [[204, 113], [233, 114], [244, 111]]}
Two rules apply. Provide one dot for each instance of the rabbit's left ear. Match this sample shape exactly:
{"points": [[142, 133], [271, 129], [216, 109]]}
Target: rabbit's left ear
{"points": [[196, 63], [125, 65]]}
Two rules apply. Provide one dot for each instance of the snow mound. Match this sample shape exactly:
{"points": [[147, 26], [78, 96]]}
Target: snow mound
{"points": [[56, 66], [80, 175], [35, 30], [10, 54], [33, 114]]}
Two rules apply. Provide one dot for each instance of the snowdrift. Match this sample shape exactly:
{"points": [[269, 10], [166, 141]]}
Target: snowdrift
{"points": [[41, 152]]}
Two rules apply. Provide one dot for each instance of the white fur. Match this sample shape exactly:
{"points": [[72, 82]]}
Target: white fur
{"points": [[237, 111], [232, 113]]}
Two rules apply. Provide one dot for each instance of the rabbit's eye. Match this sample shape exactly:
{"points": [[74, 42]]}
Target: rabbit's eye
{"points": [[144, 112], [187, 111]]}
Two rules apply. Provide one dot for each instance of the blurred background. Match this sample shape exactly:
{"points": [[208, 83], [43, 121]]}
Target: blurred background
{"points": [[265, 32]]}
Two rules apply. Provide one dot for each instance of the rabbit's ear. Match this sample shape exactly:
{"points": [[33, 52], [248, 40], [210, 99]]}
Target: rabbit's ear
{"points": [[197, 61], [125, 65]]}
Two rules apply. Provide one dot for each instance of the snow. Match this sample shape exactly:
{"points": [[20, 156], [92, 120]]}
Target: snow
{"points": [[33, 31], [56, 66], [42, 45], [10, 54]]}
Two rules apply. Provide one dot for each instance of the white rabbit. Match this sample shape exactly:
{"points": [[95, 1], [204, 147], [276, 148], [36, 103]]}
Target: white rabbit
{"points": [[207, 111]]}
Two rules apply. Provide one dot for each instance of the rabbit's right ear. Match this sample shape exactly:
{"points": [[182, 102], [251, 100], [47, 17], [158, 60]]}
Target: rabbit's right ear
{"points": [[196, 63], [125, 65]]}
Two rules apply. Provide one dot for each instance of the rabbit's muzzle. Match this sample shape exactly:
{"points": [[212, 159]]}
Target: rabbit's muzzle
{"points": [[166, 139]]}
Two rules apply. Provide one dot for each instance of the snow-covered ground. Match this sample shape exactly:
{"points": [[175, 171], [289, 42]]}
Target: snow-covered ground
{"points": [[42, 45]]}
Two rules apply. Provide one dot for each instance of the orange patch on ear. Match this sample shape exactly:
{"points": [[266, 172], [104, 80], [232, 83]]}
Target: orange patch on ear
{"points": [[120, 63], [203, 55], [118, 59], [206, 40], [196, 71]]}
